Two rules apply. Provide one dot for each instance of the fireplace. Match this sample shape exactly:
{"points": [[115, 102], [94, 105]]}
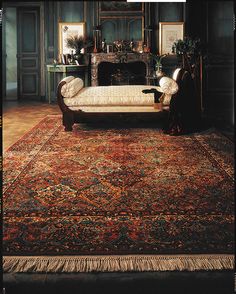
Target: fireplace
{"points": [[120, 68], [131, 73]]}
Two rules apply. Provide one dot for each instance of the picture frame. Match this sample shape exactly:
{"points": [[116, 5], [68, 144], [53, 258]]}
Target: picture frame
{"points": [[169, 32], [118, 6], [109, 48], [66, 29]]}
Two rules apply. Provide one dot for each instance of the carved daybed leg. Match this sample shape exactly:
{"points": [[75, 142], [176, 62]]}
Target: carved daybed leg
{"points": [[68, 121], [68, 118]]}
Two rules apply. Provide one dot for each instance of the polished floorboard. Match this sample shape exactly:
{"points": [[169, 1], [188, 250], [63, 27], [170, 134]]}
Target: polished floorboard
{"points": [[202, 282], [18, 118]]}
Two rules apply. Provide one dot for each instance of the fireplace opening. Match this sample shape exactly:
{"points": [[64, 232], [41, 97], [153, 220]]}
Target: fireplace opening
{"points": [[131, 73]]}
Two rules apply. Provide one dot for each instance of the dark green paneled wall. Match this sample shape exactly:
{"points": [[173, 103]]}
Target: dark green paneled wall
{"points": [[171, 11], [164, 12], [220, 28], [122, 29], [86, 11], [71, 11], [62, 11], [211, 21], [90, 17]]}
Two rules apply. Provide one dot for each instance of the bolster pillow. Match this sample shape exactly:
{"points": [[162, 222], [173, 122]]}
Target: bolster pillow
{"points": [[168, 86], [72, 87]]}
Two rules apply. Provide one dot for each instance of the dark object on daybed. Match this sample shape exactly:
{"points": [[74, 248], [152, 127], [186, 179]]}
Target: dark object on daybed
{"points": [[157, 94]]}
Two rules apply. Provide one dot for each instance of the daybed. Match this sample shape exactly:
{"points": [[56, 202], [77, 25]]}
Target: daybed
{"points": [[79, 103]]}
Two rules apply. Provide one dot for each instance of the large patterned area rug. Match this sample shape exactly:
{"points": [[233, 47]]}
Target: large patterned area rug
{"points": [[117, 199]]}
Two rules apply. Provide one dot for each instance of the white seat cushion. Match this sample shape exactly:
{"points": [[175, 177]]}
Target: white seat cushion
{"points": [[125, 95]]}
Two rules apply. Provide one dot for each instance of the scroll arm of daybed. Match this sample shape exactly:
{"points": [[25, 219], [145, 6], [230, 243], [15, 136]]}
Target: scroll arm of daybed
{"points": [[60, 98]]}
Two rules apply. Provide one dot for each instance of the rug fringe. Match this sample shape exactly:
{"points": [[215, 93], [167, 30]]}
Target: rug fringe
{"points": [[117, 263]]}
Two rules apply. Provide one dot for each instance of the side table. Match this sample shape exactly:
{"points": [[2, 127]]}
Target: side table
{"points": [[65, 70]]}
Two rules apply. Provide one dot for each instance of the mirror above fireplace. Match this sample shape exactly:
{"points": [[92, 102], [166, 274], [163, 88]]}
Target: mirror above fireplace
{"points": [[121, 20]]}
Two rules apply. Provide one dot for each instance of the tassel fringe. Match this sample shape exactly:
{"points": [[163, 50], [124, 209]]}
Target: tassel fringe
{"points": [[117, 263]]}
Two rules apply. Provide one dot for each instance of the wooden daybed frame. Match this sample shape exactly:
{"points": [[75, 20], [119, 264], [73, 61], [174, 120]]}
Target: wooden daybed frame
{"points": [[70, 117]]}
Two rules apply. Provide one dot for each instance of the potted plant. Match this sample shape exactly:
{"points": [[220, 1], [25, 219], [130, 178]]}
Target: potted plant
{"points": [[187, 50], [77, 43], [158, 64]]}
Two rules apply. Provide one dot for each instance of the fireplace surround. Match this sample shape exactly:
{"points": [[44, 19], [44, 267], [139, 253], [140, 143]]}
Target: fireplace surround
{"points": [[125, 73], [135, 68]]}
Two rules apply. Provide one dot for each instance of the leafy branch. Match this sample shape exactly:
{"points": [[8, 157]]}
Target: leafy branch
{"points": [[77, 43], [158, 59], [187, 46]]}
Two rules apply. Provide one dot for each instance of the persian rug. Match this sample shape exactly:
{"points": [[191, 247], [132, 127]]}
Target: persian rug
{"points": [[117, 199]]}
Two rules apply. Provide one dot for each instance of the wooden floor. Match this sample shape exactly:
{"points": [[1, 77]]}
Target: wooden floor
{"points": [[19, 117]]}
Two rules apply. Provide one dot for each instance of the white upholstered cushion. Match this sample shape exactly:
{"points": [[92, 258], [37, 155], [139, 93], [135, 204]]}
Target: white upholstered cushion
{"points": [[72, 87], [168, 86], [166, 100], [113, 109], [68, 79], [112, 95]]}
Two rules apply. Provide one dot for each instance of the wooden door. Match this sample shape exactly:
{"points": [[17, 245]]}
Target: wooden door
{"points": [[28, 53]]}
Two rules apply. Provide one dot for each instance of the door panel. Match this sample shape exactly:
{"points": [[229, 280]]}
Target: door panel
{"points": [[29, 83], [28, 53]]}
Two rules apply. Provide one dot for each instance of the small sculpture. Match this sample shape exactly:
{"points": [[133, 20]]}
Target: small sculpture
{"points": [[118, 45], [104, 46], [131, 45]]}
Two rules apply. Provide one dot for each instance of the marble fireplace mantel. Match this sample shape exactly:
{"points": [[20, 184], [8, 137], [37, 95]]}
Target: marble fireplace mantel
{"points": [[117, 57]]}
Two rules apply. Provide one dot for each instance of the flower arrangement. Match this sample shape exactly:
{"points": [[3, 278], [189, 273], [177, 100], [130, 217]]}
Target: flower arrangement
{"points": [[78, 43]]}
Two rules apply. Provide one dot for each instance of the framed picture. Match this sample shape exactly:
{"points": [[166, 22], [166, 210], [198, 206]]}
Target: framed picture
{"points": [[169, 32], [118, 6], [67, 29]]}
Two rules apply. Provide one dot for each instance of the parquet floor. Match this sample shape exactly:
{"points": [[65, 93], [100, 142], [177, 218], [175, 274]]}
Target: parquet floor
{"points": [[19, 117]]}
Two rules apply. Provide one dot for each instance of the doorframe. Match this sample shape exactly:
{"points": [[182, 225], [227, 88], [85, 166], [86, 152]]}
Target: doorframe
{"points": [[41, 39], [3, 55]]}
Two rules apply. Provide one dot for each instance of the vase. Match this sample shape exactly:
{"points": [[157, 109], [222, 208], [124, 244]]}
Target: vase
{"points": [[78, 57], [159, 73]]}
